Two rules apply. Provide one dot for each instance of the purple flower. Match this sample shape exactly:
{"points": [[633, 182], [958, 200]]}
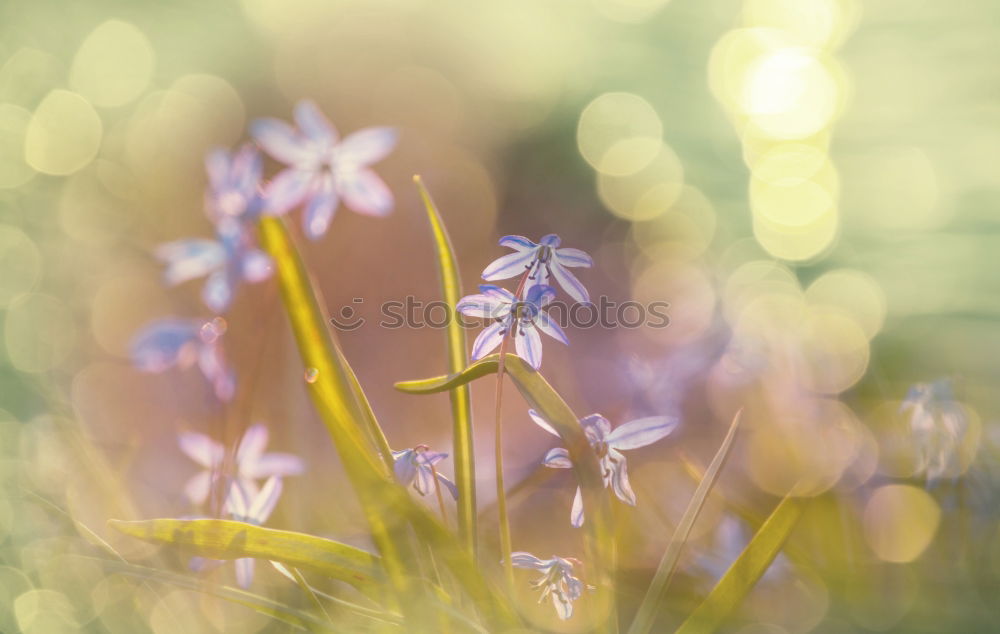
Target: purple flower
{"points": [[322, 169], [415, 467], [174, 342], [608, 445], [557, 580], [540, 261], [252, 463], [252, 509], [522, 319], [234, 181], [226, 261], [937, 427]]}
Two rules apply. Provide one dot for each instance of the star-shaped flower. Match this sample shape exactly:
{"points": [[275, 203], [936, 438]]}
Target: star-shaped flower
{"points": [[322, 168], [937, 426], [252, 509], [557, 580], [234, 183], [227, 261], [252, 463], [608, 444], [416, 467], [522, 319], [541, 260], [175, 342]]}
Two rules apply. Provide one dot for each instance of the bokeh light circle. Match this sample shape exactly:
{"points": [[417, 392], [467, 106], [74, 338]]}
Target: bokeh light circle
{"points": [[619, 133], [63, 135]]}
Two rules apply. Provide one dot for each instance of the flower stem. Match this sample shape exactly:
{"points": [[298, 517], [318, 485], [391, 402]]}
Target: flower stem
{"points": [[440, 498]]}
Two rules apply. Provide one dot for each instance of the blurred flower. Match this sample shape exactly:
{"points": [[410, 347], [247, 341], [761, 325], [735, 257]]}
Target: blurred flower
{"points": [[416, 466], [937, 426], [557, 580], [251, 462], [227, 261], [322, 169], [252, 509], [175, 342], [522, 318], [234, 180], [541, 260], [608, 445]]}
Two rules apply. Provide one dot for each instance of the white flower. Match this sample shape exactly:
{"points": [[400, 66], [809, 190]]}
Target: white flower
{"points": [[557, 580]]}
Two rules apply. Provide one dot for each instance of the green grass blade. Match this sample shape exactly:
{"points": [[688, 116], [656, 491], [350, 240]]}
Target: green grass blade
{"points": [[228, 539], [748, 568], [544, 399], [461, 402], [646, 615]]}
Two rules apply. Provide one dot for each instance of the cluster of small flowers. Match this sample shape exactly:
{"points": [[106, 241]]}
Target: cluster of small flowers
{"points": [[318, 171]]}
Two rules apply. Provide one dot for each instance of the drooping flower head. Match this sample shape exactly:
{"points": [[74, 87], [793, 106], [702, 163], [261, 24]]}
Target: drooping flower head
{"points": [[234, 183], [520, 318], [227, 261], [557, 580], [608, 445], [252, 509], [174, 342], [540, 261], [937, 426], [323, 169], [416, 467], [251, 462]]}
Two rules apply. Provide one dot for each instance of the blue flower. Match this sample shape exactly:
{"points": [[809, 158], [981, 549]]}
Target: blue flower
{"points": [[522, 319], [540, 261], [252, 509], [251, 462], [608, 445], [234, 183], [322, 169], [557, 580], [174, 342], [416, 467], [226, 261], [937, 426]]}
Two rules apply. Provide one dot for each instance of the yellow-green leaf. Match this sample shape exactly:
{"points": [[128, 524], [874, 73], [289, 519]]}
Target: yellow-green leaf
{"points": [[646, 615], [461, 407], [748, 568], [228, 539]]}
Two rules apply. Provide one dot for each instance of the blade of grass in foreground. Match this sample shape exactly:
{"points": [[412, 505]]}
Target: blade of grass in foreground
{"points": [[541, 397], [461, 407], [748, 568], [650, 605], [227, 539]]}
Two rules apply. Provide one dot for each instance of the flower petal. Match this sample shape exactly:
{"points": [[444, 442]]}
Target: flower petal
{"points": [[448, 484], [200, 448], [518, 243], [366, 193], [546, 324], [257, 266], [217, 168], [597, 425], [573, 257], [404, 468], [366, 146], [576, 513], [198, 487], [641, 432], [319, 211], [527, 560], [244, 572], [488, 339], [212, 364], [287, 190], [280, 140], [483, 305], [550, 240], [160, 344], [238, 502], [541, 422], [264, 502], [218, 291], [314, 123], [245, 170], [568, 281], [564, 607], [278, 464], [509, 265], [252, 445], [619, 478], [424, 482], [529, 345], [557, 458], [188, 259]]}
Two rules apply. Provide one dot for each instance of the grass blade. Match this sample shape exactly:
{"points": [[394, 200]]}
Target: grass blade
{"points": [[748, 568], [461, 402], [227, 539], [646, 614]]}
